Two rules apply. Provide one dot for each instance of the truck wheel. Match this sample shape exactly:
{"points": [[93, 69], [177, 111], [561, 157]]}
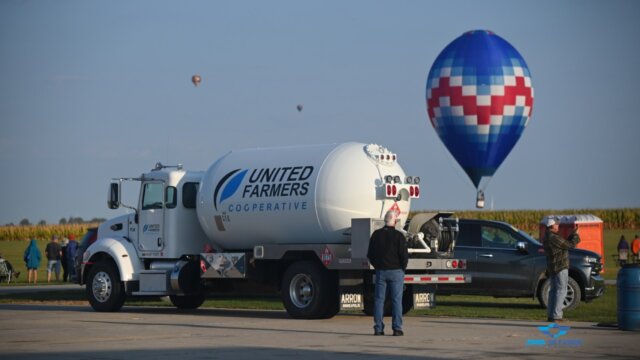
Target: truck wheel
{"points": [[188, 302], [307, 291], [572, 299], [104, 289]]}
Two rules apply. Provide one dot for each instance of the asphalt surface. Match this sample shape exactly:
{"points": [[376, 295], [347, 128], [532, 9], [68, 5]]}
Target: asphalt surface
{"points": [[64, 332]]}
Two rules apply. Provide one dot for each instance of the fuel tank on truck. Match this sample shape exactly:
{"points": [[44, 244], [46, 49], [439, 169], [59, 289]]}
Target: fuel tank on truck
{"points": [[297, 194]]}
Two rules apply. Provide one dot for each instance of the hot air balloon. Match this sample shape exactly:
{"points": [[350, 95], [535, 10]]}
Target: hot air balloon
{"points": [[195, 79], [479, 100], [299, 107]]}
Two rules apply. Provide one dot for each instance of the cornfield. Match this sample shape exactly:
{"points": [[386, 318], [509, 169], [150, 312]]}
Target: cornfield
{"points": [[529, 220], [43, 232]]}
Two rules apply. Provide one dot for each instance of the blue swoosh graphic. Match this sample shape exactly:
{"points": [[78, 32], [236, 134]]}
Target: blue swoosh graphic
{"points": [[232, 185]]}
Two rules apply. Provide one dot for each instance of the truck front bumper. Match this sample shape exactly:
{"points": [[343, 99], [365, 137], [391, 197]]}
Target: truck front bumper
{"points": [[595, 288]]}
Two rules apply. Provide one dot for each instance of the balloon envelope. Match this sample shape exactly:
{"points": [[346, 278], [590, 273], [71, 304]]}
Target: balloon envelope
{"points": [[479, 100], [299, 107]]}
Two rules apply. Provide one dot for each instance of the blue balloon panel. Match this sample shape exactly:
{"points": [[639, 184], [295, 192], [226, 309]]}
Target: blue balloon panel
{"points": [[479, 100]]}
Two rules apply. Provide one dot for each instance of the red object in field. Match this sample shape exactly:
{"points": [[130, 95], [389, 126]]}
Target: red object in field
{"points": [[591, 231]]}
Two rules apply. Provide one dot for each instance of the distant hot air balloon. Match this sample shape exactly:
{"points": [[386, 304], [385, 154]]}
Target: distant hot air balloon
{"points": [[479, 100], [299, 107], [195, 79]]}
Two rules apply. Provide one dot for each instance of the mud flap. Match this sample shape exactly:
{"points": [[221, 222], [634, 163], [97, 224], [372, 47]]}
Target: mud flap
{"points": [[351, 294], [424, 296]]}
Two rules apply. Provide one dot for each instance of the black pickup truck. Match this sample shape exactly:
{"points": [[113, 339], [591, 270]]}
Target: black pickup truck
{"points": [[506, 262]]}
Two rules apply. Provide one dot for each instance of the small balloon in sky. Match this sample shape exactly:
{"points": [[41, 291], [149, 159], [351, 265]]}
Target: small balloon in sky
{"points": [[479, 100], [195, 79], [299, 107]]}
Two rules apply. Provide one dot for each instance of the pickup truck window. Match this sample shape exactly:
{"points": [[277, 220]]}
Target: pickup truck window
{"points": [[495, 237]]}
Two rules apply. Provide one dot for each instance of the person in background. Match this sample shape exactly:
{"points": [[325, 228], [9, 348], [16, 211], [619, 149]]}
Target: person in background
{"points": [[72, 249], [635, 248], [54, 254], [32, 259], [389, 256], [63, 259], [7, 270], [623, 250], [556, 249]]}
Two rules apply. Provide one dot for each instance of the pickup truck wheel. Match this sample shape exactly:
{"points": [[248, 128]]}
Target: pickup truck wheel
{"points": [[188, 302], [572, 299], [306, 291], [104, 289]]}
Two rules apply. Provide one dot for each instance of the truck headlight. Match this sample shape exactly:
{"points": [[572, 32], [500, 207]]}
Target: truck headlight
{"points": [[594, 262]]}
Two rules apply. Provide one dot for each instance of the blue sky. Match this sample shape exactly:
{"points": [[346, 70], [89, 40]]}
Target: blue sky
{"points": [[91, 90]]}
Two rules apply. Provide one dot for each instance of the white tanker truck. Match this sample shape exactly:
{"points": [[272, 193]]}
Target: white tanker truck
{"points": [[296, 218]]}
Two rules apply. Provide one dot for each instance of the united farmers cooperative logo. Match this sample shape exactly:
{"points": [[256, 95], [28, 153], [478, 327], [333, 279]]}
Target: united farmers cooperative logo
{"points": [[264, 183], [553, 337], [151, 228]]}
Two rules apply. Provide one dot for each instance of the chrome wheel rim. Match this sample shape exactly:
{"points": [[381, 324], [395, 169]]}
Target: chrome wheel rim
{"points": [[301, 290], [102, 286]]}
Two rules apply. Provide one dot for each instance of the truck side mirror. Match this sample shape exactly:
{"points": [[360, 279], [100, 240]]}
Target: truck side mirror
{"points": [[114, 195]]}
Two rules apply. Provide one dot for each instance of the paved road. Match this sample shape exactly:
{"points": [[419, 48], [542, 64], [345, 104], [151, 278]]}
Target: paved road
{"points": [[63, 332]]}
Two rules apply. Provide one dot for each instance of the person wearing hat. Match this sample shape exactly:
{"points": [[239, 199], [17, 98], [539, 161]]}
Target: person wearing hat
{"points": [[556, 249], [635, 248], [389, 256], [54, 254], [32, 258]]}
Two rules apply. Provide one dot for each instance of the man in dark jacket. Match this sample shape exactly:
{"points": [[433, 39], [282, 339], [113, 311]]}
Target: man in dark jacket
{"points": [[389, 256], [54, 254], [557, 250]]}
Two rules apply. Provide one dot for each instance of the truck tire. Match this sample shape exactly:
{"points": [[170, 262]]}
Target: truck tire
{"points": [[572, 299], [188, 302], [104, 289], [308, 291], [369, 299]]}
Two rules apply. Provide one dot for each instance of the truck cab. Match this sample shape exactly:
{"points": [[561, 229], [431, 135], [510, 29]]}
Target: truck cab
{"points": [[146, 243]]}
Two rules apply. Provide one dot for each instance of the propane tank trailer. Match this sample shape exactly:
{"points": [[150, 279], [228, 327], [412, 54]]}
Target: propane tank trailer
{"points": [[297, 219]]}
